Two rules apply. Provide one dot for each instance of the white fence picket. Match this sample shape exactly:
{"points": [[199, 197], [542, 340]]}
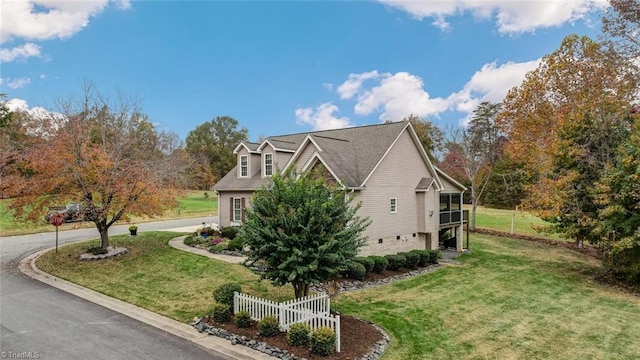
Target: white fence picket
{"points": [[312, 310]]}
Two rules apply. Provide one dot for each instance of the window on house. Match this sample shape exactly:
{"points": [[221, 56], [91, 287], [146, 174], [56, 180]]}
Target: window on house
{"points": [[244, 166], [268, 164], [237, 209], [393, 205]]}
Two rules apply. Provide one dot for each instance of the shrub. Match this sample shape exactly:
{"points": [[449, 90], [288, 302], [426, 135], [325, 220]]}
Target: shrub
{"points": [[424, 256], [356, 270], [229, 232], [219, 247], [381, 263], [236, 244], [395, 261], [268, 326], [368, 263], [434, 255], [221, 312], [224, 293], [411, 259], [323, 341], [298, 334], [97, 250], [208, 231], [243, 319]]}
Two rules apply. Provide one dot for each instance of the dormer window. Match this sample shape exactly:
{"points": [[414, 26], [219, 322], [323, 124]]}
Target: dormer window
{"points": [[268, 164], [244, 165]]}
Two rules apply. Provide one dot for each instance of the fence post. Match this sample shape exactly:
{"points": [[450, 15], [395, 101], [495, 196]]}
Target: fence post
{"points": [[235, 302]]}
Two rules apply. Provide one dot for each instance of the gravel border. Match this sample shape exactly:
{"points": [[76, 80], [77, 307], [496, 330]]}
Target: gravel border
{"points": [[111, 252]]}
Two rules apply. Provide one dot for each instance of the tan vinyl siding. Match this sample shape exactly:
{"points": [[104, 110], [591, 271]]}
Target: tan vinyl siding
{"points": [[224, 205], [305, 155], [449, 186], [281, 158], [254, 163], [396, 177]]}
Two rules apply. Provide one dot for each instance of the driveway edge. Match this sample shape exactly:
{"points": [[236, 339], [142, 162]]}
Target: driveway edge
{"points": [[28, 267]]}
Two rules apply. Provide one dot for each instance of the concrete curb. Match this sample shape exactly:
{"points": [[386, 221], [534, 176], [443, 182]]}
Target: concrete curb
{"points": [[28, 267]]}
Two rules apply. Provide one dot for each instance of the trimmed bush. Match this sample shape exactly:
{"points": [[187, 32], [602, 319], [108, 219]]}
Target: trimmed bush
{"points": [[268, 326], [191, 240], [224, 293], [356, 270], [243, 319], [221, 312], [229, 232], [219, 247], [323, 341], [424, 256], [434, 255], [411, 259], [236, 244], [380, 263], [395, 261], [368, 263], [298, 334]]}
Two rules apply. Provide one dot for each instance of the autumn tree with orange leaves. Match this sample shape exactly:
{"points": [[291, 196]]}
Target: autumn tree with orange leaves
{"points": [[564, 123], [106, 155]]}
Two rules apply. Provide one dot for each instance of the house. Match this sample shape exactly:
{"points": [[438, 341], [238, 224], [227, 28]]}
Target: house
{"points": [[412, 203]]}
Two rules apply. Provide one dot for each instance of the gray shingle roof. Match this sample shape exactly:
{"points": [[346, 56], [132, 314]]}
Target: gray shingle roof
{"points": [[352, 153]]}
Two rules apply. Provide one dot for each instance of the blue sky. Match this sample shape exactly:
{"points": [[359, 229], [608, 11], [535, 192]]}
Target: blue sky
{"points": [[283, 66]]}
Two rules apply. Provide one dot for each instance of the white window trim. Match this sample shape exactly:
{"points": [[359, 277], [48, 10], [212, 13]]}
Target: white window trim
{"points": [[393, 205], [247, 166], [265, 164], [237, 209]]}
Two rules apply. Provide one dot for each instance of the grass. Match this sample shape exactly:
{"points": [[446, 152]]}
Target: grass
{"points": [[156, 276], [500, 219], [511, 299], [194, 204]]}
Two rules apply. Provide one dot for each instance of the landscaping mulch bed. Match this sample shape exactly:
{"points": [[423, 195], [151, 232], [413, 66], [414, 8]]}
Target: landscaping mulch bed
{"points": [[357, 338]]}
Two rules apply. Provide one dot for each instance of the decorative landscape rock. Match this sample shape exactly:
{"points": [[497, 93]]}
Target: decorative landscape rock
{"points": [[111, 252]]}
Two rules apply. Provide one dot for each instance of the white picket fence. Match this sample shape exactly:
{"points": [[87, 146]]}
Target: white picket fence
{"points": [[312, 310]]}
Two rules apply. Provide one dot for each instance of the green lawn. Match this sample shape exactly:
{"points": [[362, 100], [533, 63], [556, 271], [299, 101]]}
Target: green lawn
{"points": [[499, 219], [194, 204], [511, 299]]}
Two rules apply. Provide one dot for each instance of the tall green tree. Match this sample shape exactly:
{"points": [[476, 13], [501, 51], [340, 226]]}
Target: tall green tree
{"points": [[564, 123], [618, 194], [5, 114], [303, 230], [216, 140], [506, 188]]}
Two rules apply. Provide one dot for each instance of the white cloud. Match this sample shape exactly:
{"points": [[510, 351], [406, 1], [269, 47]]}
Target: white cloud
{"points": [[396, 95], [491, 83], [511, 16], [20, 52], [322, 117], [350, 87], [15, 83], [62, 18]]}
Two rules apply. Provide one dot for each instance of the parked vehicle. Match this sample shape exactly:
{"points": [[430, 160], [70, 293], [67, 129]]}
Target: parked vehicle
{"points": [[72, 212]]}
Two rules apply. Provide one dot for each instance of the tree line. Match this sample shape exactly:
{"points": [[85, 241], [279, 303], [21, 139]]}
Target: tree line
{"points": [[563, 144]]}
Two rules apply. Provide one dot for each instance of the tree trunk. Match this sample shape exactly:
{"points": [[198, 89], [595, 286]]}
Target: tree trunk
{"points": [[300, 289], [474, 205], [103, 229]]}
